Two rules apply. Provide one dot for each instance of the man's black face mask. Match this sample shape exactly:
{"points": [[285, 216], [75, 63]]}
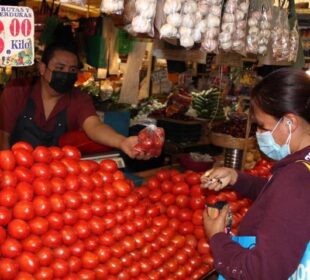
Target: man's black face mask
{"points": [[62, 82]]}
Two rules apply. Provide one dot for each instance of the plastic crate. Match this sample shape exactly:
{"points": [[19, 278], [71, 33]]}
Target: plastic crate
{"points": [[181, 131]]}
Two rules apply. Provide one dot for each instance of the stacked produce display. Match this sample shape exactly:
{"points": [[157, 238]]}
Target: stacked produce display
{"points": [[66, 218]]}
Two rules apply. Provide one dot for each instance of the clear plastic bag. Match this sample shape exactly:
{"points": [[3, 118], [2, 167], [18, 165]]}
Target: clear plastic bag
{"points": [[265, 29], [211, 30], [294, 43], [151, 140], [112, 6], [143, 21], [173, 19]]}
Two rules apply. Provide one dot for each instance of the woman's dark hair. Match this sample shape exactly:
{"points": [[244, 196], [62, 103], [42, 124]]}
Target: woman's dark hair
{"points": [[49, 51], [284, 91]]}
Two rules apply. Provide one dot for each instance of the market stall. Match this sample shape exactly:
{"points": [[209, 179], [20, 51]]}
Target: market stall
{"points": [[178, 74]]}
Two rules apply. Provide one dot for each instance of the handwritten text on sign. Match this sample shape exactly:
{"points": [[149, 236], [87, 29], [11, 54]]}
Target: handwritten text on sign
{"points": [[16, 36]]}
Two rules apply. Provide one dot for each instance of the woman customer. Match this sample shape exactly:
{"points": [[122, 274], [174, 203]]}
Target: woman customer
{"points": [[279, 218]]}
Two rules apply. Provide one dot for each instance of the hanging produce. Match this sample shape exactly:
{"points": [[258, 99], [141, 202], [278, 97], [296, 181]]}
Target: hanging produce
{"points": [[143, 22], [112, 6], [211, 25]]}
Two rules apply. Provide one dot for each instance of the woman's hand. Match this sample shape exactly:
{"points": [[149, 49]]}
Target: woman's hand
{"points": [[215, 225], [218, 178], [128, 147]]}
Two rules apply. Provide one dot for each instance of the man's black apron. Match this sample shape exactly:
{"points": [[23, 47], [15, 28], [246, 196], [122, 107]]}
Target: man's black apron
{"points": [[26, 129]]}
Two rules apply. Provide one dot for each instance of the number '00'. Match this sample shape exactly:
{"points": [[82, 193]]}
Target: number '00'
{"points": [[24, 27]]}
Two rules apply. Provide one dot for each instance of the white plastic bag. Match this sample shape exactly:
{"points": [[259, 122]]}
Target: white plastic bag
{"points": [[112, 6]]}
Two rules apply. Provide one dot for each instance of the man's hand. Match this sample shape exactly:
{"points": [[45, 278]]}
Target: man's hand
{"points": [[128, 147], [215, 225]]}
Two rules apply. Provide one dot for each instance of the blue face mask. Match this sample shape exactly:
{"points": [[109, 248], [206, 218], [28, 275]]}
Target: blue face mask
{"points": [[268, 145]]}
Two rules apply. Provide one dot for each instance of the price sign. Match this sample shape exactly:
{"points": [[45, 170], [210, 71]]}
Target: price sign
{"points": [[16, 36]]}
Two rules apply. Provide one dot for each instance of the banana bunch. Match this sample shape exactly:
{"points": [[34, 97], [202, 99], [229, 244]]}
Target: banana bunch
{"points": [[208, 104]]}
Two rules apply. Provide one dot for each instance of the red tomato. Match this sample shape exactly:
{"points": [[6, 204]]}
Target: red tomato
{"points": [[70, 217], [160, 221], [181, 188], [62, 252], [107, 239], [97, 180], [78, 248], [22, 145], [177, 178], [86, 274], [121, 203], [203, 247], [173, 211], [18, 229], [82, 229], [182, 201], [118, 232], [23, 157], [124, 275], [135, 270], [98, 225], [107, 177], [132, 199], [179, 241], [58, 169], [91, 243], [128, 243], [86, 196], [86, 182], [41, 206], [114, 266], [7, 160], [24, 276], [102, 272], [52, 239], [142, 192], [108, 165], [146, 265], [71, 152], [166, 186], [192, 179], [42, 154], [126, 260], [72, 182], [72, 200], [58, 185], [163, 175], [71, 165], [8, 197], [68, 235], [153, 183], [186, 228], [44, 273], [140, 223], [2, 235], [196, 191], [42, 186], [121, 188], [8, 179], [41, 170], [45, 256], [89, 260], [174, 223], [118, 175], [211, 199], [32, 243], [8, 269], [85, 212], [60, 268], [197, 203], [11, 248], [56, 152], [199, 232], [55, 221], [28, 262], [24, 191], [38, 225], [75, 264], [103, 253], [23, 174], [155, 195], [139, 240], [197, 218]]}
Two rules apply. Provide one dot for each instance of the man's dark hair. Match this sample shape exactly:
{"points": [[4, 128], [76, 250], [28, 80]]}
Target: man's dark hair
{"points": [[49, 51], [284, 91]]}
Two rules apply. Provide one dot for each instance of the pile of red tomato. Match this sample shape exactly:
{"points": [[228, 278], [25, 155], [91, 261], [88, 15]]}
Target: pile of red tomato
{"points": [[262, 168], [66, 218]]}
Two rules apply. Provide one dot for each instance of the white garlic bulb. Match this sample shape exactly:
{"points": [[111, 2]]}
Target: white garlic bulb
{"points": [[253, 21], [112, 6], [230, 7], [174, 19], [216, 10], [196, 35], [265, 25], [141, 24], [209, 45], [228, 18], [185, 31], [239, 34], [213, 21], [198, 17], [212, 33], [256, 15], [229, 27], [168, 31], [239, 15], [202, 26], [241, 24], [188, 20], [244, 7], [172, 6], [190, 7], [142, 5], [253, 30], [186, 41], [203, 8], [238, 45], [265, 33], [225, 37], [262, 50], [150, 13], [226, 46]]}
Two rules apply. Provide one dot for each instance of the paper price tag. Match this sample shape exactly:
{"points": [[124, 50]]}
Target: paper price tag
{"points": [[16, 36]]}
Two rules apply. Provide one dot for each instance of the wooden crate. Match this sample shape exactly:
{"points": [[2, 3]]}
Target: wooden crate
{"points": [[229, 142]]}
